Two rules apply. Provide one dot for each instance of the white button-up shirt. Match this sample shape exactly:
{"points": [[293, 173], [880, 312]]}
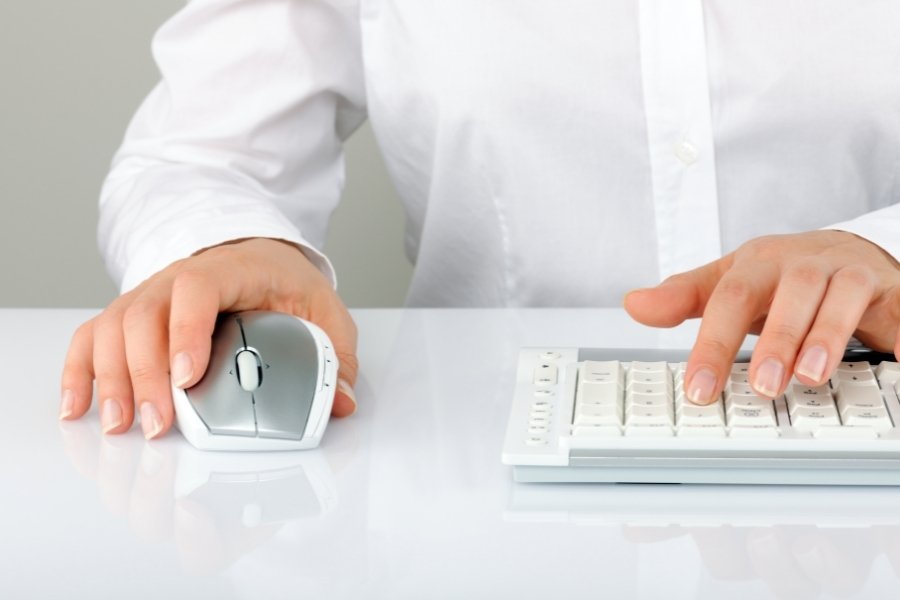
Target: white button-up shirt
{"points": [[546, 153]]}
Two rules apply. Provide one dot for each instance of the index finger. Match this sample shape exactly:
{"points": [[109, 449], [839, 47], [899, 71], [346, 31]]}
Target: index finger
{"points": [[739, 298]]}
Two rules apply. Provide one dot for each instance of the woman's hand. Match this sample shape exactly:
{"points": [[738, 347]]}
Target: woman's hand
{"points": [[165, 326], [805, 295]]}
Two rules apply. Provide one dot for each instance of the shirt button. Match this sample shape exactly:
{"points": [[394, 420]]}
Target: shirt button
{"points": [[686, 152]]}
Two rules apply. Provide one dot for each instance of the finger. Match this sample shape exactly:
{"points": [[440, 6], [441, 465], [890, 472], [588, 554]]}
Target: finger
{"points": [[849, 294], [192, 319], [791, 314], [736, 302], [897, 345], [114, 392], [679, 297], [78, 374], [145, 325]]}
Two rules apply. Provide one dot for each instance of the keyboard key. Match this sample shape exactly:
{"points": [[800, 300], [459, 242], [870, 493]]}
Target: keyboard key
{"points": [[648, 399], [649, 430], [747, 401], [742, 389], [852, 367], [888, 372], [873, 418], [592, 392], [649, 367], [601, 371], [738, 416], [859, 396], [841, 378], [598, 414], [649, 415], [692, 415], [545, 374], [810, 419], [799, 395], [740, 369]]}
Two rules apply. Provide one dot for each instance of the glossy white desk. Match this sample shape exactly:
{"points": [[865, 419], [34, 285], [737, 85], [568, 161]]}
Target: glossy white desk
{"points": [[406, 499]]}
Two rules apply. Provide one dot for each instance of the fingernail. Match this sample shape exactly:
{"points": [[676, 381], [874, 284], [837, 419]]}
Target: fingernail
{"points": [[345, 388], [110, 415], [182, 369], [151, 422], [768, 378], [703, 384], [812, 363], [66, 405]]}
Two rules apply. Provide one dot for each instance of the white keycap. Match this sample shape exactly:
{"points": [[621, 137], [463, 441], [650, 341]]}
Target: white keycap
{"points": [[853, 367], [747, 401], [649, 415], [738, 417], [545, 374], [740, 369], [842, 378], [862, 396], [692, 415], [810, 419], [814, 398], [649, 367], [598, 414], [606, 370], [606, 392], [888, 372], [742, 389], [873, 418], [637, 399], [649, 430], [741, 378], [660, 387]]}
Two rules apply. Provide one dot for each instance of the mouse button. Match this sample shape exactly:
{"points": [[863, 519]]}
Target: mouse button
{"points": [[249, 369], [217, 398], [290, 357]]}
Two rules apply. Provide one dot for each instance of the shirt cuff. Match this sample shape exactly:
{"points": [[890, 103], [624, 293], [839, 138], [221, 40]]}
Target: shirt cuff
{"points": [[879, 227], [187, 236]]}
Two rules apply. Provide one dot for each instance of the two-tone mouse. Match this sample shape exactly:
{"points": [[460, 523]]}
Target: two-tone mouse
{"points": [[269, 385]]}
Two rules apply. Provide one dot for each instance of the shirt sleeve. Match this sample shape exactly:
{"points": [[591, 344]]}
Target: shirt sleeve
{"points": [[881, 227], [241, 138]]}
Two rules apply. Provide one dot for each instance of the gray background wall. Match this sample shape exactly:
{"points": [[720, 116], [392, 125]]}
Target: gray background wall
{"points": [[72, 75]]}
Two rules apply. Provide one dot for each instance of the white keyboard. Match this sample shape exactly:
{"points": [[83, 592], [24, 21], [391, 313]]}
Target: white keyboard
{"points": [[579, 417]]}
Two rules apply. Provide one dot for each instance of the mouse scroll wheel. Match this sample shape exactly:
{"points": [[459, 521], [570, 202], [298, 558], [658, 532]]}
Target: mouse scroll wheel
{"points": [[249, 369]]}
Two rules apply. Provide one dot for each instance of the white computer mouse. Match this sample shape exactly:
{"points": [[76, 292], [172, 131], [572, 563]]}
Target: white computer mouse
{"points": [[269, 385]]}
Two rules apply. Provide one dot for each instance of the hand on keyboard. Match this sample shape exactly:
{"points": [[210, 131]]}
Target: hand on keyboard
{"points": [[805, 294]]}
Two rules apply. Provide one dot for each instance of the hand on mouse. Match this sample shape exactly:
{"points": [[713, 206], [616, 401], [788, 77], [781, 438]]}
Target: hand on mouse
{"points": [[805, 294], [167, 322]]}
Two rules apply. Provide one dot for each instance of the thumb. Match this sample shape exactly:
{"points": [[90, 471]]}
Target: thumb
{"points": [[679, 297]]}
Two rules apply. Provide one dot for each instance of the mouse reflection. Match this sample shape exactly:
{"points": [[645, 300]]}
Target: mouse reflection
{"points": [[800, 542], [215, 507]]}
